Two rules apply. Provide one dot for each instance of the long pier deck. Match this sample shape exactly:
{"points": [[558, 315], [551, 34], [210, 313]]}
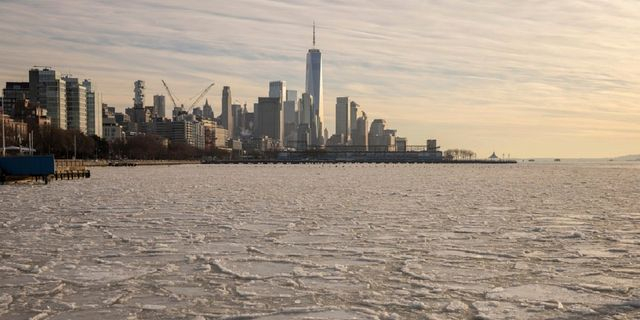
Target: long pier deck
{"points": [[345, 161]]}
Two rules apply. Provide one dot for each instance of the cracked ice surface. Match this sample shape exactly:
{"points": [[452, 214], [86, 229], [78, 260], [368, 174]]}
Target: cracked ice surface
{"points": [[558, 241]]}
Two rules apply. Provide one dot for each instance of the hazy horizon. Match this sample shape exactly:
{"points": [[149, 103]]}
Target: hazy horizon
{"points": [[554, 79]]}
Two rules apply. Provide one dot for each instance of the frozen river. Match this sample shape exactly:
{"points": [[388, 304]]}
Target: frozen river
{"points": [[526, 241]]}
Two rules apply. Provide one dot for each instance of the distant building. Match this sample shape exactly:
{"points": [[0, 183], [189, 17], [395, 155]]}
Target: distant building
{"points": [[138, 94], [336, 140], [306, 106], [353, 117], [31, 113], [432, 145], [343, 118], [215, 136], [401, 144], [291, 118], [50, 91], [236, 111], [248, 122], [261, 144], [361, 136], [380, 138], [227, 112], [304, 137], [197, 111], [314, 87], [122, 118], [207, 111], [111, 129], [139, 114], [159, 106], [269, 119], [13, 92], [182, 131], [278, 89], [94, 109], [76, 105], [19, 128]]}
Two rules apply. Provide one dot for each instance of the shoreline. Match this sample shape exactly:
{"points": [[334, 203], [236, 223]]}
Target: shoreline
{"points": [[132, 163], [348, 161]]}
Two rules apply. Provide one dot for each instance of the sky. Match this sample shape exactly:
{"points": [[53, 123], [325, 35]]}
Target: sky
{"points": [[530, 78]]}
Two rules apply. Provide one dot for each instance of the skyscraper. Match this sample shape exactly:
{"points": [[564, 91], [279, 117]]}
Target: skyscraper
{"points": [[138, 94], [343, 121], [361, 134], [291, 118], [94, 109], [159, 106], [227, 112], [236, 112], [314, 87], [278, 89], [139, 114], [46, 88], [353, 117], [290, 107], [76, 104], [306, 106], [269, 118]]}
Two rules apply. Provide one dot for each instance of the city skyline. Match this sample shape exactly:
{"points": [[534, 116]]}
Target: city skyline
{"points": [[539, 81]]}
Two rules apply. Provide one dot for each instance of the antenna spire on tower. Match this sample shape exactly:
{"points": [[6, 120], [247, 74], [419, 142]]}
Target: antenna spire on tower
{"points": [[314, 33]]}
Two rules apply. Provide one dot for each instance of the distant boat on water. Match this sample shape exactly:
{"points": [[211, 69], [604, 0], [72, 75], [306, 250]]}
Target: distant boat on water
{"points": [[556, 160]]}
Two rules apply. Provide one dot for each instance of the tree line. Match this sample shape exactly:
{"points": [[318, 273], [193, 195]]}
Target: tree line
{"points": [[65, 144], [459, 154]]}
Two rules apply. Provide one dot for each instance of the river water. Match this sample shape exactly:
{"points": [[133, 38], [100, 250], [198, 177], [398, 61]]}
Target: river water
{"points": [[525, 241]]}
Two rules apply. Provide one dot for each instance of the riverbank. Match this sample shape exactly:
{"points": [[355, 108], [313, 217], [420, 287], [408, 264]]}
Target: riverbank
{"points": [[107, 163]]}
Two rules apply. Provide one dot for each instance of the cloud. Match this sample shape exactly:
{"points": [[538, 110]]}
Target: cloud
{"points": [[456, 70]]}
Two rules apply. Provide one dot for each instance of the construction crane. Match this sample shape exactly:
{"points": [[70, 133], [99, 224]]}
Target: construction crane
{"points": [[175, 105], [204, 92], [198, 98]]}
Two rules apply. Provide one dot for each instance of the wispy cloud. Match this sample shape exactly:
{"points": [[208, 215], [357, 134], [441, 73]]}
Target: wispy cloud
{"points": [[547, 78]]}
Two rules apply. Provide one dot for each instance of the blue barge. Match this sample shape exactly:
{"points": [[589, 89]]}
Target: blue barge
{"points": [[21, 167]]}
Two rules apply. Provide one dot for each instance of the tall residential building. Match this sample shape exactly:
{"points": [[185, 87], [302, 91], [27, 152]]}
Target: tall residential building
{"points": [[207, 111], [269, 119], [314, 87], [227, 112], [343, 118], [278, 89], [13, 92], [94, 109], [138, 94], [159, 106], [76, 105], [46, 88], [139, 114]]}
